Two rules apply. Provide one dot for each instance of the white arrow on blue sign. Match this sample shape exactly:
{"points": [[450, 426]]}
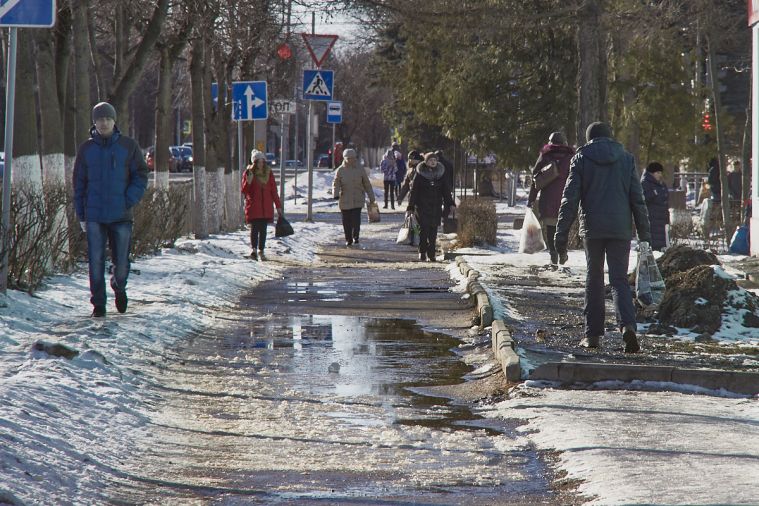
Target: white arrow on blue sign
{"points": [[334, 112], [249, 101], [318, 84], [27, 13]]}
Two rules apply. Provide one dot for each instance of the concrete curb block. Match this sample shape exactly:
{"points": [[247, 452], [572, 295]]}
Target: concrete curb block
{"points": [[485, 309], [587, 372], [504, 350]]}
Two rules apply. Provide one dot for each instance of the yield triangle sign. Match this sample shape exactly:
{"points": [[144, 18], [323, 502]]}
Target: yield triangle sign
{"points": [[319, 46]]}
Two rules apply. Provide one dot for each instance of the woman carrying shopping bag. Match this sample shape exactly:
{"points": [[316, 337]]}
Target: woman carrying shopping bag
{"points": [[349, 187], [429, 193], [261, 196]]}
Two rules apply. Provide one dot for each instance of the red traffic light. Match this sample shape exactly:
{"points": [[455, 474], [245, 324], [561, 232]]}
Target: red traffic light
{"points": [[706, 124]]}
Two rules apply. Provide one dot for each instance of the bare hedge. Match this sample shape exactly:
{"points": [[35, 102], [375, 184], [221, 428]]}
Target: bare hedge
{"points": [[478, 222]]}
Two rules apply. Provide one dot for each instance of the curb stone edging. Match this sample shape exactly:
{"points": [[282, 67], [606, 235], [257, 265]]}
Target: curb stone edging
{"points": [[504, 347]]}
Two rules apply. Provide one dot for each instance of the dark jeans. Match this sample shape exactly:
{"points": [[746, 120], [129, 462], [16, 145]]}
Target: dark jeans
{"points": [[119, 236], [550, 232], [390, 192], [617, 253], [427, 239], [258, 234], [351, 224]]}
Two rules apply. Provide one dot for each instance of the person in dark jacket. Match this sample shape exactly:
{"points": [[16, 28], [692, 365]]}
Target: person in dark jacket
{"points": [[604, 183], [550, 196], [715, 185], [110, 177], [656, 193], [735, 181], [389, 170], [260, 191], [429, 193], [414, 159], [400, 174]]}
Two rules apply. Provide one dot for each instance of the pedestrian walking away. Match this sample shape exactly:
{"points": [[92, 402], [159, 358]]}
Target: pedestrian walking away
{"points": [[260, 191], [715, 185], [656, 194], [549, 197], [400, 173], [110, 177], [389, 168], [414, 159], [429, 193], [603, 182], [350, 185]]}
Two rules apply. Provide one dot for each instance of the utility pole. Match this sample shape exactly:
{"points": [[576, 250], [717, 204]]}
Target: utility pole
{"points": [[309, 143]]}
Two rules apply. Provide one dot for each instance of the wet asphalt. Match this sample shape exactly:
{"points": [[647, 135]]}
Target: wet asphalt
{"points": [[314, 391]]}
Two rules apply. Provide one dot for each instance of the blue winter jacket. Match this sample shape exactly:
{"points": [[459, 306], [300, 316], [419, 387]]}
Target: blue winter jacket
{"points": [[605, 185], [110, 177]]}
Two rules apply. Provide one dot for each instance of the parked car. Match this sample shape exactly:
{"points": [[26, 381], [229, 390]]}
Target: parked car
{"points": [[150, 159], [2, 164], [293, 164], [183, 156], [271, 159]]}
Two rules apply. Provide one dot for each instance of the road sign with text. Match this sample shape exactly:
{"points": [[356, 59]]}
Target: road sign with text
{"points": [[27, 13], [281, 106], [318, 84], [249, 101]]}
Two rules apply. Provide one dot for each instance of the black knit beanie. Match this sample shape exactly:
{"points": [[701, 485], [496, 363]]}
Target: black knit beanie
{"points": [[654, 167], [597, 129]]}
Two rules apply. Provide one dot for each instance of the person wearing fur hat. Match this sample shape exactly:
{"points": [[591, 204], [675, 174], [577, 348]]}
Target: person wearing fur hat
{"points": [[414, 159], [260, 191], [656, 193], [349, 187], [110, 178], [557, 151], [429, 193]]}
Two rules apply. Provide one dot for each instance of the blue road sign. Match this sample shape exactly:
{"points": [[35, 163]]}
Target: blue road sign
{"points": [[249, 101], [334, 112], [318, 84], [215, 95], [27, 13]]}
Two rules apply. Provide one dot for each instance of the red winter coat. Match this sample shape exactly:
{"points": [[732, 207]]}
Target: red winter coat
{"points": [[260, 199]]}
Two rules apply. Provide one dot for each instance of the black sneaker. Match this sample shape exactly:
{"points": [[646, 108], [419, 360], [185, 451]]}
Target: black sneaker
{"points": [[121, 302], [631, 340], [422, 257], [590, 342], [253, 255], [355, 240], [98, 312], [348, 244]]}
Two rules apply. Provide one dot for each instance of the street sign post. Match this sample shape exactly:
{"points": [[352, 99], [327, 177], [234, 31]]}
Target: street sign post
{"points": [[249, 101], [319, 46], [334, 112], [28, 13], [281, 106], [753, 21], [16, 14], [318, 85]]}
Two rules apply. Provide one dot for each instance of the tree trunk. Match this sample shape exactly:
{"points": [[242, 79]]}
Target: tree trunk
{"points": [[215, 173], [591, 75], [82, 98], [163, 120], [200, 211], [726, 215], [50, 109], [63, 46], [746, 160], [26, 158], [103, 84]]}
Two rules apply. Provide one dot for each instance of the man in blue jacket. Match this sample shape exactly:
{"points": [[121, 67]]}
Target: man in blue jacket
{"points": [[110, 177], [604, 183]]}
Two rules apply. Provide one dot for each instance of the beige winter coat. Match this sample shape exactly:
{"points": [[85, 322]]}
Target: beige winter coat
{"points": [[350, 184]]}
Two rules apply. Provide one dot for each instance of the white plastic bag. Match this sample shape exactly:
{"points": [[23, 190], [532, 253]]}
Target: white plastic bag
{"points": [[404, 232], [531, 240], [649, 285]]}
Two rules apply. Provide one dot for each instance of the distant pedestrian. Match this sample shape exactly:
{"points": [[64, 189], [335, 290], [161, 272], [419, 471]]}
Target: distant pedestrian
{"points": [[400, 173], [656, 193], [715, 185], [349, 186], [389, 168], [604, 183], [260, 191], [414, 159], [110, 177], [549, 197], [735, 181], [429, 193]]}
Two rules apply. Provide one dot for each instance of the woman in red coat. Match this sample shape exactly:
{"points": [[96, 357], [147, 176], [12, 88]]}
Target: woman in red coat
{"points": [[260, 192]]}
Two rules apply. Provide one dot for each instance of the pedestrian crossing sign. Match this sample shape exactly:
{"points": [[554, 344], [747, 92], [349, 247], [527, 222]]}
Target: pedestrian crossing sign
{"points": [[318, 85]]}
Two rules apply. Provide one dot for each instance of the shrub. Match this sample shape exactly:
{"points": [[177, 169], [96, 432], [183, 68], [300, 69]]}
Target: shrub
{"points": [[160, 219], [478, 222]]}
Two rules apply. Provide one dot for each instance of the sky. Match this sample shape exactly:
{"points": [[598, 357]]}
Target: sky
{"points": [[63, 421]]}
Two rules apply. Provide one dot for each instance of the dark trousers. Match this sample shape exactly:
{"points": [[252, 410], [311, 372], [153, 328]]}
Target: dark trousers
{"points": [[617, 253], [390, 192], [119, 236], [550, 231], [427, 239], [258, 234], [351, 224]]}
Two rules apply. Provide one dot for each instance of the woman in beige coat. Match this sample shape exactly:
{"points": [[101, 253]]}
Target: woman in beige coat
{"points": [[350, 185]]}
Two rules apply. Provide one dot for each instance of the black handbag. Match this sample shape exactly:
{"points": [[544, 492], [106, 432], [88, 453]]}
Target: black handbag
{"points": [[283, 228], [451, 224], [546, 175]]}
